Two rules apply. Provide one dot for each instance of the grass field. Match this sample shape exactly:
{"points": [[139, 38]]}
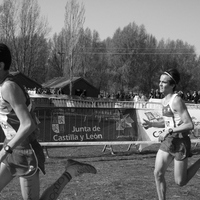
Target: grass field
{"points": [[127, 175]]}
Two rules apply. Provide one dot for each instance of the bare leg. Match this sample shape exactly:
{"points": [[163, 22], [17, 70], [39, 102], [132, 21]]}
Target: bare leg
{"points": [[30, 187], [5, 176], [183, 175], [73, 169], [163, 159]]}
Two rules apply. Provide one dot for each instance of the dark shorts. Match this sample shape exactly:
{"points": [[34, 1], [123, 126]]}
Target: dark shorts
{"points": [[180, 148], [26, 159]]}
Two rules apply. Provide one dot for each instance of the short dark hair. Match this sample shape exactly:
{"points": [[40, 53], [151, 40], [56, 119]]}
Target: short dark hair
{"points": [[174, 75], [5, 56]]}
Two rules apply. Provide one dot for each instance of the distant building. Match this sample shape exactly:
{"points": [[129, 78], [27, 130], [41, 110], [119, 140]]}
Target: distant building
{"points": [[80, 87], [25, 80]]}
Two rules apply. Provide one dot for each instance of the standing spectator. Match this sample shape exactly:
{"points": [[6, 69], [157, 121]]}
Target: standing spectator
{"points": [[195, 97], [157, 94], [188, 97], [180, 93], [136, 98], [152, 94]]}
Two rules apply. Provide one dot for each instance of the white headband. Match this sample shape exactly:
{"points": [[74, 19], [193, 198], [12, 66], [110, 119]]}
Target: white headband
{"points": [[170, 76]]}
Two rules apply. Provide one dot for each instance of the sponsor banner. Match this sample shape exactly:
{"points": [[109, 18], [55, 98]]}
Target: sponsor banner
{"points": [[87, 124], [150, 134], [76, 124]]}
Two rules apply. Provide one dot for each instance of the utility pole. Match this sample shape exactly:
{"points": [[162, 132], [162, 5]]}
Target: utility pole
{"points": [[71, 72]]}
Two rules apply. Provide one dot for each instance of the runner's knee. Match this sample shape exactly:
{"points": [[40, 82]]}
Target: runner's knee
{"points": [[159, 175]]}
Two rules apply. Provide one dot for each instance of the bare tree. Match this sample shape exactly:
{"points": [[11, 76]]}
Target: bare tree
{"points": [[74, 20], [56, 61], [32, 28], [8, 20], [25, 30]]}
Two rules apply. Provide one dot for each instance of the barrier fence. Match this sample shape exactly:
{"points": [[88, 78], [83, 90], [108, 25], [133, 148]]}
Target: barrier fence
{"points": [[73, 122], [65, 101], [66, 121], [96, 122]]}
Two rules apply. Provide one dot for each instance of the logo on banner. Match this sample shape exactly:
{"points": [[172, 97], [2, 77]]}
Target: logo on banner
{"points": [[125, 122], [58, 124], [125, 128], [196, 130], [153, 116]]}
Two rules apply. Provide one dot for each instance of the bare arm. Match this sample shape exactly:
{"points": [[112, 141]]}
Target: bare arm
{"points": [[180, 107], [147, 124]]}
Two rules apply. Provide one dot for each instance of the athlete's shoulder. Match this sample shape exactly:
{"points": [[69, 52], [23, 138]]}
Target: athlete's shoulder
{"points": [[177, 98], [178, 102], [14, 86], [9, 85]]}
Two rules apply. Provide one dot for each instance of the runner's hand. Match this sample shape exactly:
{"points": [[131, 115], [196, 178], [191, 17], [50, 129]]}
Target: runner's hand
{"points": [[146, 124], [162, 136]]}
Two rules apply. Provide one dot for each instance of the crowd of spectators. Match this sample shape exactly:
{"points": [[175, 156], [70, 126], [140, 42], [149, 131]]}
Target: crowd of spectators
{"points": [[47, 91], [188, 97], [123, 96]]}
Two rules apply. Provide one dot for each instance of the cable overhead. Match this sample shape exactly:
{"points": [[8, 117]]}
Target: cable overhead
{"points": [[137, 48], [136, 53]]}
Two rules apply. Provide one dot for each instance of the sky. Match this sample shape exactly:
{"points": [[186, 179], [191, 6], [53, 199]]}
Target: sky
{"points": [[164, 19]]}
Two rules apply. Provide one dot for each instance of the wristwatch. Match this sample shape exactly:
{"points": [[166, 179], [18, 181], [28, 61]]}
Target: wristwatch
{"points": [[170, 131], [8, 149]]}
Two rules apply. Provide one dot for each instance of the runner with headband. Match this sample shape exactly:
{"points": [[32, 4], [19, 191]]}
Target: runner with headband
{"points": [[175, 141]]}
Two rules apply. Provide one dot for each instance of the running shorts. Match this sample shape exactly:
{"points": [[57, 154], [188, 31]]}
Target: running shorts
{"points": [[180, 148], [25, 159]]}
